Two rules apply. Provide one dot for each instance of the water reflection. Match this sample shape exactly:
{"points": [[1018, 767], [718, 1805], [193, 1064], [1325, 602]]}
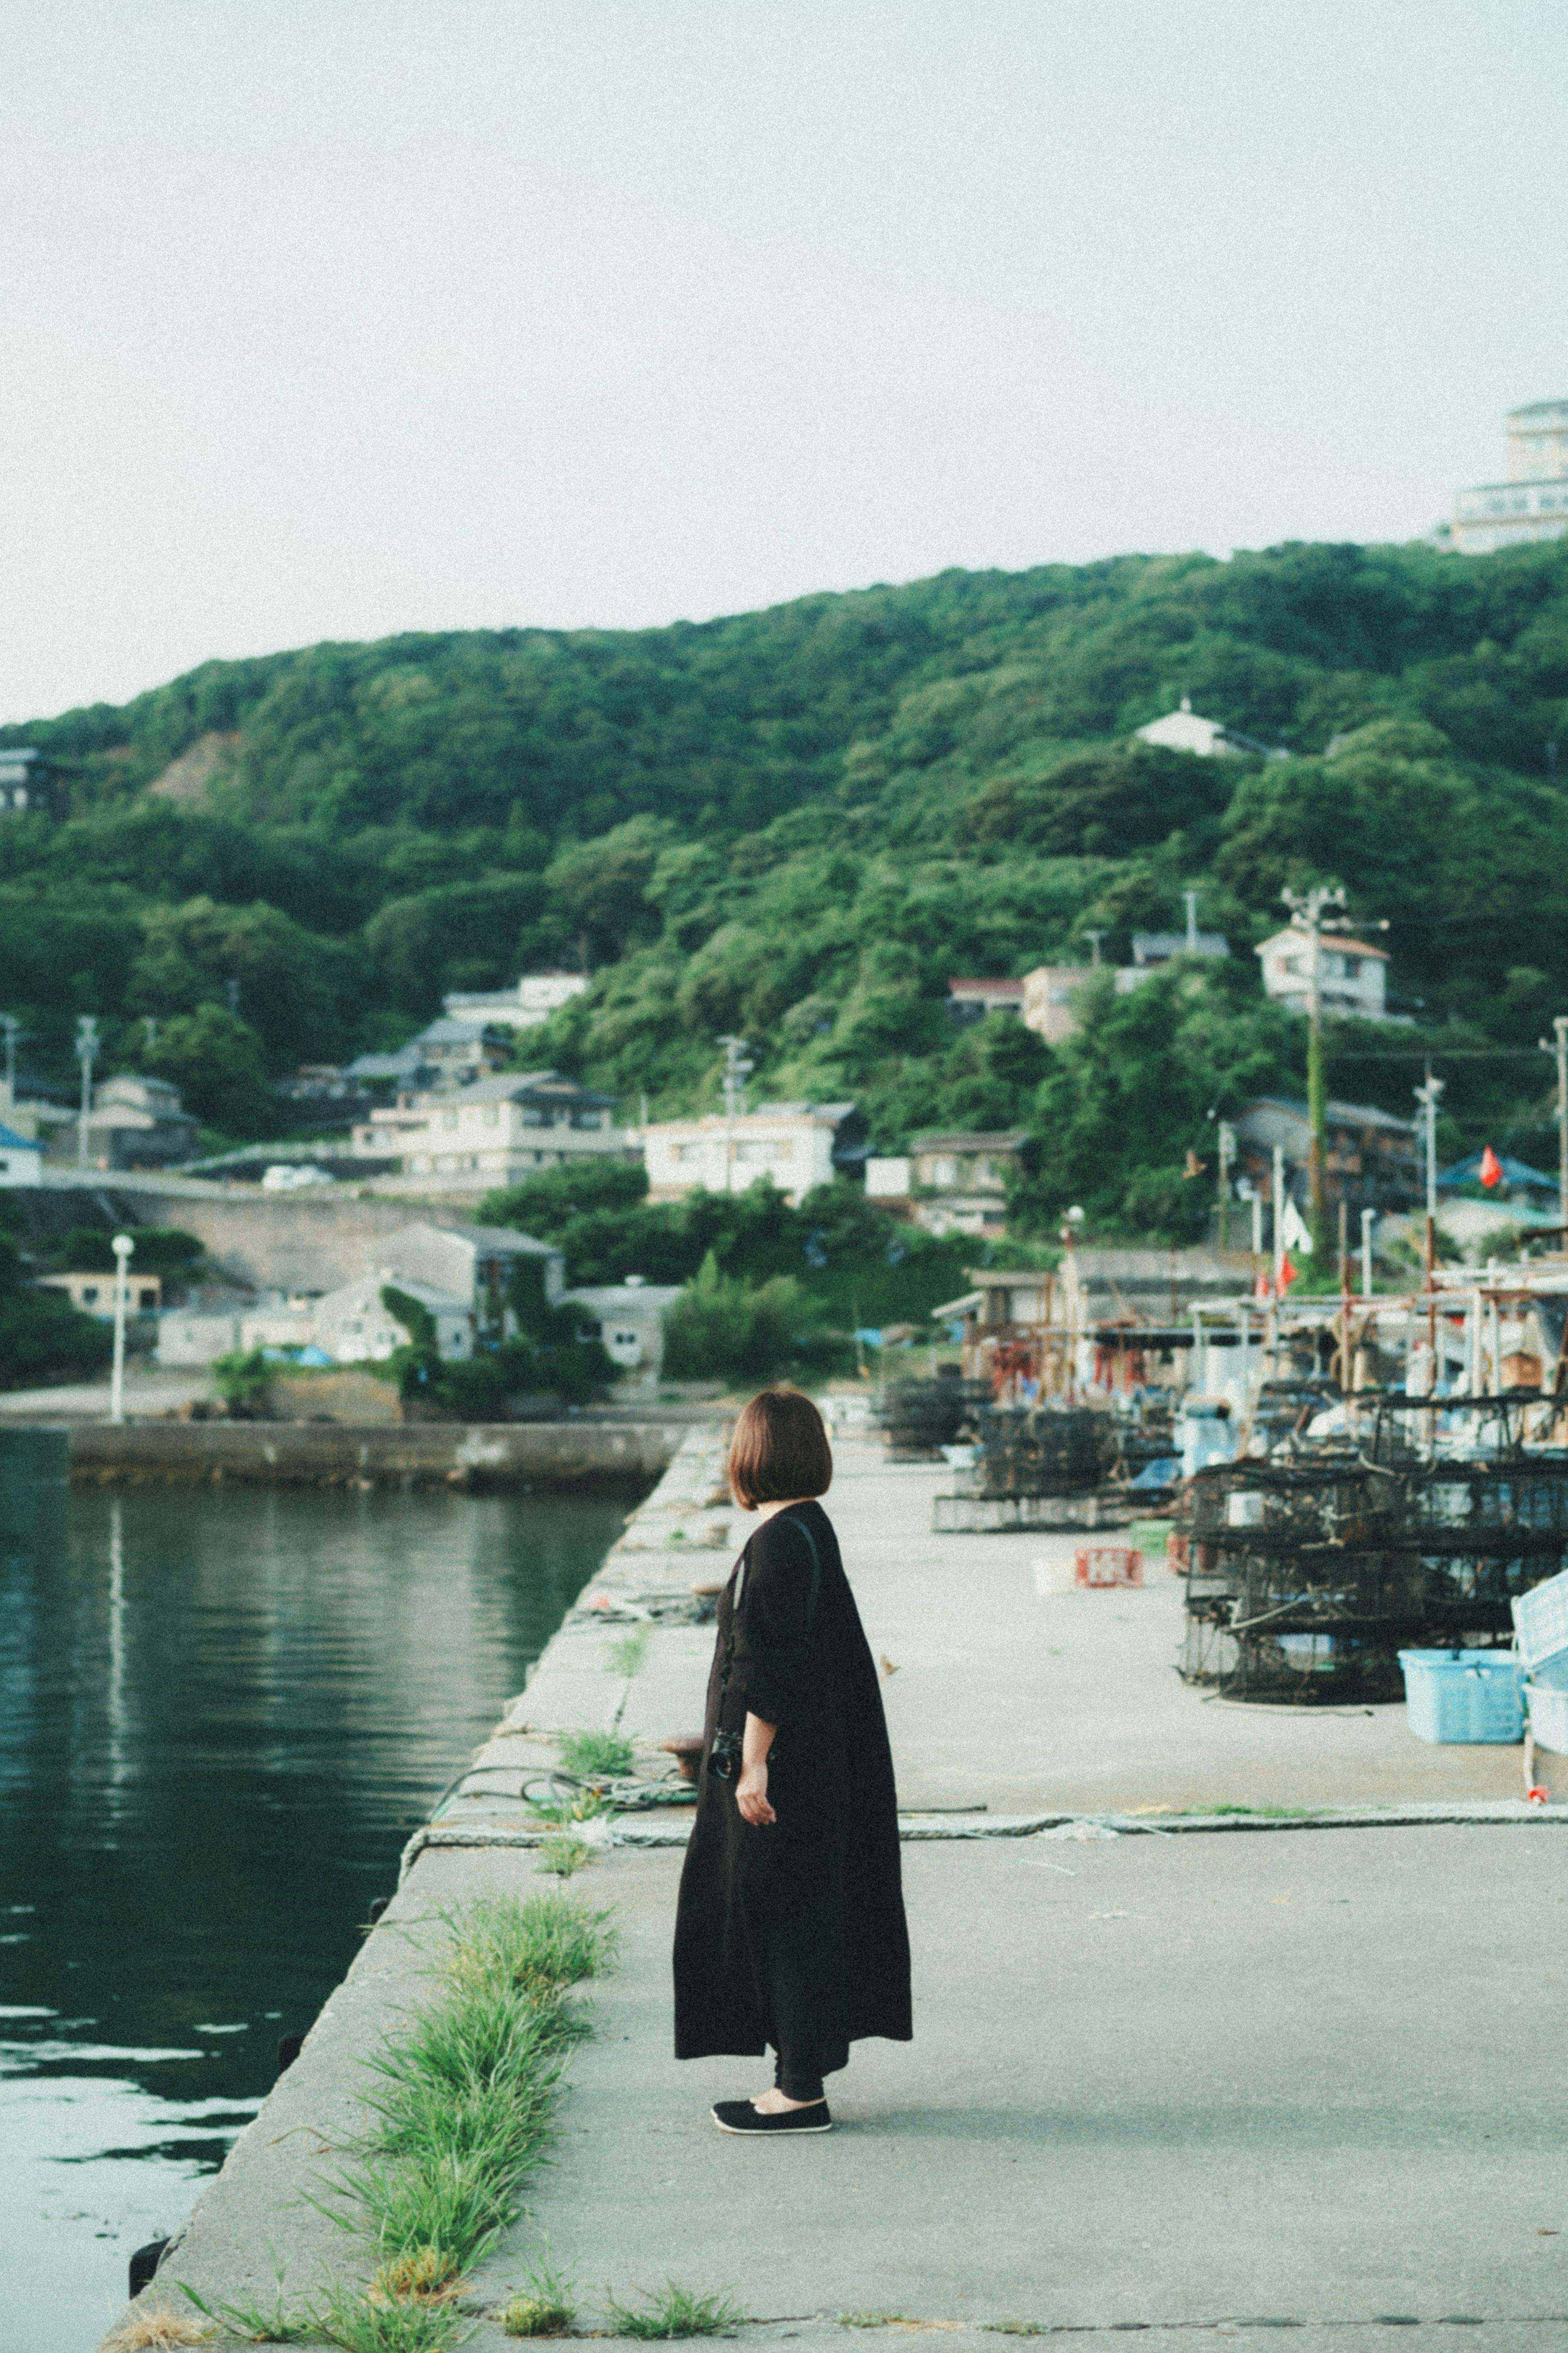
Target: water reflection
{"points": [[220, 1714]]}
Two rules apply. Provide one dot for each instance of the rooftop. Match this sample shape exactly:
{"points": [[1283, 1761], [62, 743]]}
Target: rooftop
{"points": [[1343, 1115]]}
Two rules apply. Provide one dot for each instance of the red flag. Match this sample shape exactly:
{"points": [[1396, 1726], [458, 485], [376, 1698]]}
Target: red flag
{"points": [[1288, 1273], [1490, 1169]]}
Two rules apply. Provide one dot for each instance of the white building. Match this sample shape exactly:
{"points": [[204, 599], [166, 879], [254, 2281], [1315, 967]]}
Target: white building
{"points": [[628, 1317], [790, 1143], [948, 1183], [495, 1132], [354, 1327], [1353, 974], [536, 997], [1185, 730], [21, 1158], [472, 1263], [1533, 503]]}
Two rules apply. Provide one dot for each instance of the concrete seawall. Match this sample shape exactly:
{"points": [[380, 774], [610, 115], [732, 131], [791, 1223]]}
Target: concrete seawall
{"points": [[496, 1456]]}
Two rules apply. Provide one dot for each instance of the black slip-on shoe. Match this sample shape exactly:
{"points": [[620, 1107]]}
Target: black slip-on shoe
{"points": [[741, 2116]]}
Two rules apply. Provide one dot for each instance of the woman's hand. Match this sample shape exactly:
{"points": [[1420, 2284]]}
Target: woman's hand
{"points": [[752, 1795]]}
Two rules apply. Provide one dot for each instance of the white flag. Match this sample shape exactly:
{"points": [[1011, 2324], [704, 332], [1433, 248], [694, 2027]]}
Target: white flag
{"points": [[1293, 1232]]}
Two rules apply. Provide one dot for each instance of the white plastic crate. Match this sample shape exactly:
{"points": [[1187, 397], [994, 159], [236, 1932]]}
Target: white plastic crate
{"points": [[1548, 1709], [1541, 1620]]}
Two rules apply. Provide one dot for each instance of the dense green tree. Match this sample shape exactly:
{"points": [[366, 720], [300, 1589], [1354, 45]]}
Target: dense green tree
{"points": [[799, 824], [215, 1060]]}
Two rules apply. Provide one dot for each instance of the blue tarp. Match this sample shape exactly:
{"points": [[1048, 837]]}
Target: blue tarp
{"points": [[1514, 1172]]}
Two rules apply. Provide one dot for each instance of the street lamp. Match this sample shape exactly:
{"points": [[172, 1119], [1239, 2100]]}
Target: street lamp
{"points": [[122, 1246]]}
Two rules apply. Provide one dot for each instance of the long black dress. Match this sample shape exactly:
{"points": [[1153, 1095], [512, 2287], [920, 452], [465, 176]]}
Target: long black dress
{"points": [[824, 1876]]}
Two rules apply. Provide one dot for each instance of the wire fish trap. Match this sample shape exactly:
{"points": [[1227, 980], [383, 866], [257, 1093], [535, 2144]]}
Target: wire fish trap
{"points": [[1308, 1576], [1035, 1451], [918, 1417]]}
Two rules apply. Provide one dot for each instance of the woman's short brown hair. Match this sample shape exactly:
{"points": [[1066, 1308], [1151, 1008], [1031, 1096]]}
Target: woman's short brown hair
{"points": [[779, 1450]]}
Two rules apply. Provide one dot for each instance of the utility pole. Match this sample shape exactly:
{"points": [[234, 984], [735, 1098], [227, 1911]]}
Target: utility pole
{"points": [[737, 1070], [1191, 901], [1368, 1218], [87, 1043], [1426, 1096], [1278, 1219], [1560, 1031], [1226, 1153], [1094, 939], [1314, 912]]}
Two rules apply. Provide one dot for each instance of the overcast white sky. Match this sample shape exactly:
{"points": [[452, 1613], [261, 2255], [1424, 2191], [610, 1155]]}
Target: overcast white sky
{"points": [[329, 318]]}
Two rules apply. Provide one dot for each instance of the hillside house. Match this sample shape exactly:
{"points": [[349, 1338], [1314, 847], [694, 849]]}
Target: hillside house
{"points": [[21, 1158], [27, 781], [1353, 974], [495, 1131], [1370, 1161], [535, 998], [796, 1144], [134, 1122], [1208, 739], [948, 1183], [969, 1001]]}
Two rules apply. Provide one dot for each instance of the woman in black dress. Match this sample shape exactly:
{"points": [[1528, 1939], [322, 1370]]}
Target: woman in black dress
{"points": [[790, 1929]]}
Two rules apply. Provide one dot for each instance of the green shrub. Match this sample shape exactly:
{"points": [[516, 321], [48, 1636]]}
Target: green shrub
{"points": [[43, 1338], [722, 1330], [243, 1377]]}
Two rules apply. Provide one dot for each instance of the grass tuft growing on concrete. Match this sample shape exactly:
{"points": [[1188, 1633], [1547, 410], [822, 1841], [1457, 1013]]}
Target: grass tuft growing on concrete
{"points": [[464, 2108], [562, 1855], [542, 2308], [256, 2323], [674, 2311], [157, 2329], [358, 2325], [606, 1755], [627, 1656]]}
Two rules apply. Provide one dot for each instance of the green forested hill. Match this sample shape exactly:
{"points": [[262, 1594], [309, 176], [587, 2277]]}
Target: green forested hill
{"points": [[796, 824]]}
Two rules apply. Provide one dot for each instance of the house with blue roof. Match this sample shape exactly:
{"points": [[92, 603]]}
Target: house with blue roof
{"points": [[21, 1158]]}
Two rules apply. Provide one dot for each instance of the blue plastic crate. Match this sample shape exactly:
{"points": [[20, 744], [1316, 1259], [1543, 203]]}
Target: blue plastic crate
{"points": [[1452, 1696]]}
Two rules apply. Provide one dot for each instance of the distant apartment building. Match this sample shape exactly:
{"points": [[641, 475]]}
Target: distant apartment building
{"points": [[1533, 503], [796, 1144], [948, 1183], [495, 1131], [1353, 974]]}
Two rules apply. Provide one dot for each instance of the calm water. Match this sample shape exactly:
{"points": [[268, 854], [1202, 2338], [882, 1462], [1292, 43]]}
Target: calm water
{"points": [[220, 1716]]}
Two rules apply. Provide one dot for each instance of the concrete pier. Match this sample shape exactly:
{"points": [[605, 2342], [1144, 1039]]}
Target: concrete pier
{"points": [[496, 1456], [1175, 2069]]}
